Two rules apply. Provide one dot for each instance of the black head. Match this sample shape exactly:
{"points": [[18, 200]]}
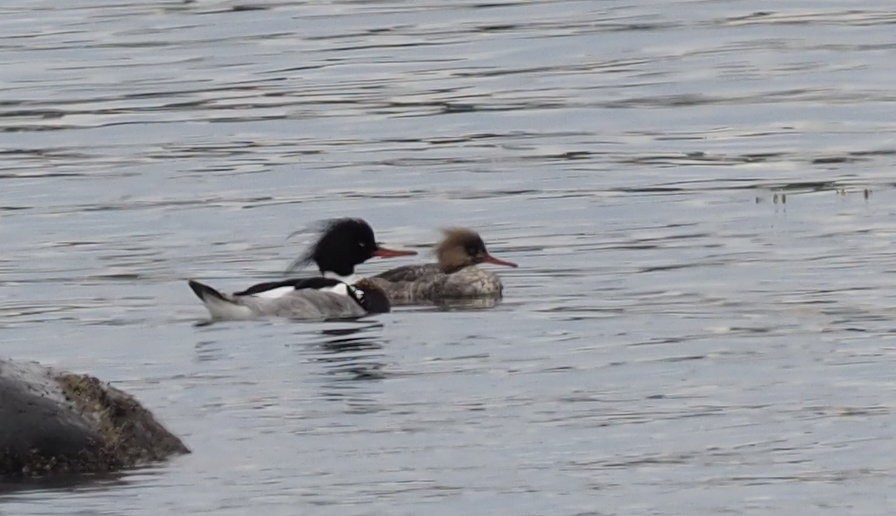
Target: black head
{"points": [[371, 297], [344, 243]]}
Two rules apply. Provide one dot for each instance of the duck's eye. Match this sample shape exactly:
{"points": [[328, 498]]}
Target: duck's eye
{"points": [[362, 245]]}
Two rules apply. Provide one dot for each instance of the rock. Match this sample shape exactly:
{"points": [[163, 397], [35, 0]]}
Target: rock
{"points": [[54, 421]]}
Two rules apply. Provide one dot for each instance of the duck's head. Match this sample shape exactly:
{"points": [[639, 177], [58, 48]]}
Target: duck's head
{"points": [[344, 243], [461, 248]]}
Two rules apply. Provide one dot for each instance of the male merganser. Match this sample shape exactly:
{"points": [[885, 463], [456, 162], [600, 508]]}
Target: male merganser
{"points": [[454, 277], [343, 244]]}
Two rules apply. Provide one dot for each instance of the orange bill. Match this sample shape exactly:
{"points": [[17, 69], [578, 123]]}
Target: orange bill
{"points": [[491, 259], [382, 252]]}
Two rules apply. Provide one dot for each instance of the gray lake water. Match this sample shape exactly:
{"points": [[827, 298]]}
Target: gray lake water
{"points": [[700, 195]]}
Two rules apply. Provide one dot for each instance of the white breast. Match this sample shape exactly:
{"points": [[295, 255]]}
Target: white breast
{"points": [[274, 293], [341, 289]]}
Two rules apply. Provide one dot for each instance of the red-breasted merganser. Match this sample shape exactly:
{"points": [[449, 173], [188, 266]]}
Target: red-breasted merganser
{"points": [[454, 277], [343, 244]]}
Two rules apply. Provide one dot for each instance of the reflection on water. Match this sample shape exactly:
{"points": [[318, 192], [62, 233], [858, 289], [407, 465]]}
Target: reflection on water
{"points": [[353, 352], [350, 339], [699, 194], [101, 481], [468, 304]]}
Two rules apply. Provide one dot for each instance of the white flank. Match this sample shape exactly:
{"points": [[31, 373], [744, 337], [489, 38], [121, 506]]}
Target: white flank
{"points": [[221, 309]]}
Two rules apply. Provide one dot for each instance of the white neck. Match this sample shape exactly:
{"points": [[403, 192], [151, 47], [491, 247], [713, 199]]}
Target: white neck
{"points": [[350, 279]]}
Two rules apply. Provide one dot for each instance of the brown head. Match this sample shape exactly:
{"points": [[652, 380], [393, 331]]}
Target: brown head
{"points": [[461, 248]]}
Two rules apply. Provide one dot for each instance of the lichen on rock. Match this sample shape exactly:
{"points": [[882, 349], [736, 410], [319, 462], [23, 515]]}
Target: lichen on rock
{"points": [[59, 422]]}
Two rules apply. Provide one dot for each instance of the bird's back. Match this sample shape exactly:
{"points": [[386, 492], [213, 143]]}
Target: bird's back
{"points": [[427, 283]]}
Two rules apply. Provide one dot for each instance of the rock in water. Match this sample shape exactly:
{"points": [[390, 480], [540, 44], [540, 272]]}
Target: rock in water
{"points": [[54, 421]]}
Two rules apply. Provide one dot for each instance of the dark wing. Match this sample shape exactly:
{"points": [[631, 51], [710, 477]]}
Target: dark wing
{"points": [[409, 272], [296, 283]]}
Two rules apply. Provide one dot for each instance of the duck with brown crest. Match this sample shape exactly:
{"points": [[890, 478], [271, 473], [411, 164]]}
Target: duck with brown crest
{"points": [[456, 275]]}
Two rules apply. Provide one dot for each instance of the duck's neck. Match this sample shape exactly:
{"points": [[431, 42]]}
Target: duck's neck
{"points": [[350, 279]]}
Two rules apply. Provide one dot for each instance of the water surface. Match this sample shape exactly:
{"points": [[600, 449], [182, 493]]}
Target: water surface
{"points": [[698, 194]]}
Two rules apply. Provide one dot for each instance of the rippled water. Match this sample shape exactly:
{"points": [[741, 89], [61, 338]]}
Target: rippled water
{"points": [[699, 195]]}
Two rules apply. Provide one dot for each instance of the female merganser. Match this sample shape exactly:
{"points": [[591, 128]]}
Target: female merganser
{"points": [[343, 244], [454, 277]]}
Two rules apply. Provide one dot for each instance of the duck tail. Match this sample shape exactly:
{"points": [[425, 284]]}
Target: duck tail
{"points": [[219, 305], [205, 292]]}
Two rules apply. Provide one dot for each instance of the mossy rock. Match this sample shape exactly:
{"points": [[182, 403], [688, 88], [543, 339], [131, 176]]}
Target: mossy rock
{"points": [[57, 422]]}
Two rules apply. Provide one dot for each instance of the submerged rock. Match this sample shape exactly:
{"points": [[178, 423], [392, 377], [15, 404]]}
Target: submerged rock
{"points": [[54, 421]]}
